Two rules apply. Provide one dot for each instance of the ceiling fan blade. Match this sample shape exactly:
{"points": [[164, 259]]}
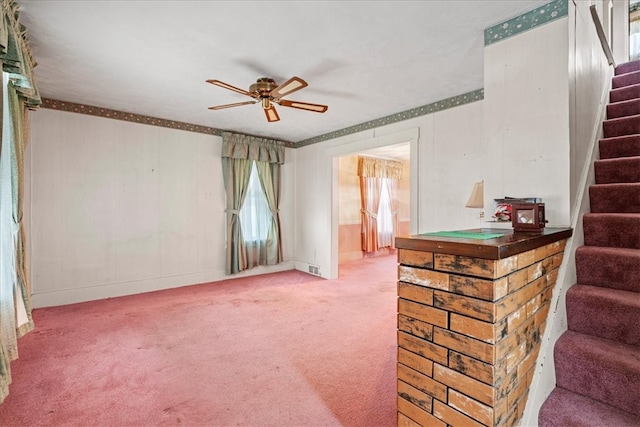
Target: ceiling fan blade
{"points": [[272, 114], [228, 86], [290, 86], [237, 104], [318, 108]]}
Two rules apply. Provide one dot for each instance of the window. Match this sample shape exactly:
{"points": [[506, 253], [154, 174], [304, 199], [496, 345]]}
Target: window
{"points": [[634, 30], [385, 217], [255, 216]]}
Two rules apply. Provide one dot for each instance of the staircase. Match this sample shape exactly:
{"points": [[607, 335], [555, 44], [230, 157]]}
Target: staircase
{"points": [[597, 360]]}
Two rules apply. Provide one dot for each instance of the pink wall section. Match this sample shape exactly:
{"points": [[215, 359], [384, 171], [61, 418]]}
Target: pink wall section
{"points": [[349, 241]]}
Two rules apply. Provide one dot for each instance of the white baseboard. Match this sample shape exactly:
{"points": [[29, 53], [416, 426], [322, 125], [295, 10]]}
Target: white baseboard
{"points": [[112, 290]]}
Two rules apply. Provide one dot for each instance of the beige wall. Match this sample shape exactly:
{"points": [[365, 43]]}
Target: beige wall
{"points": [[118, 208]]}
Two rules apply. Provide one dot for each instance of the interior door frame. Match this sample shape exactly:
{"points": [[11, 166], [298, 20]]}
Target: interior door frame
{"points": [[412, 137]]}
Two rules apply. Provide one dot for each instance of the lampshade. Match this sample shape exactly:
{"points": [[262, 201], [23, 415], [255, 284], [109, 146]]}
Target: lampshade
{"points": [[476, 200]]}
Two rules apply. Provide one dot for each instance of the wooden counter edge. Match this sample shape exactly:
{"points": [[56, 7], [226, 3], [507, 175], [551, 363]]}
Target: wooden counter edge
{"points": [[511, 243]]}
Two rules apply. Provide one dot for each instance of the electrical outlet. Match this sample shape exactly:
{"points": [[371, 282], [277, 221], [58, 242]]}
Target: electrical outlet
{"points": [[481, 215]]}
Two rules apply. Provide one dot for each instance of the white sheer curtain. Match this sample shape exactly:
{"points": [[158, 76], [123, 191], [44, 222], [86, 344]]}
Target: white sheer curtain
{"points": [[255, 215], [634, 40], [385, 217], [255, 220]]}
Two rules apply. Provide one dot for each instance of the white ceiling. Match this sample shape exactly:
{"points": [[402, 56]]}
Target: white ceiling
{"points": [[364, 59]]}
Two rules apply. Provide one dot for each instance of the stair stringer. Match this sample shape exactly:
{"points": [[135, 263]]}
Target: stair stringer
{"points": [[544, 377]]}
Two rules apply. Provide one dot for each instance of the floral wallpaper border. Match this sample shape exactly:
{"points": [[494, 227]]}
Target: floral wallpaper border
{"points": [[73, 107], [129, 117], [454, 101], [544, 14], [444, 104]]}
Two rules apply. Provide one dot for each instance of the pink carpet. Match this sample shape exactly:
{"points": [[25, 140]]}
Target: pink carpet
{"points": [[284, 349]]}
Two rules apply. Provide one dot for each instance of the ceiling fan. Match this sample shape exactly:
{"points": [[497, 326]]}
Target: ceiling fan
{"points": [[268, 92]]}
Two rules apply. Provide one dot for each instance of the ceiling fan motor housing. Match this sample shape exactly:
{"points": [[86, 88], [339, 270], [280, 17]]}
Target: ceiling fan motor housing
{"points": [[263, 87]]}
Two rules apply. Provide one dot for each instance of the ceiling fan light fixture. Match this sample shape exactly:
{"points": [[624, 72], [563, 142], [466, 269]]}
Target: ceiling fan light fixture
{"points": [[266, 103]]}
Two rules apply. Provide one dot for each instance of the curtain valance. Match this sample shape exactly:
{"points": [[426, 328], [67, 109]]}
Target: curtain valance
{"points": [[379, 168], [238, 146], [15, 54]]}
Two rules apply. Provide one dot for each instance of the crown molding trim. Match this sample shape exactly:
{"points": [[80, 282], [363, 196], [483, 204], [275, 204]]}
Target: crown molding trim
{"points": [[444, 104], [90, 110], [73, 107], [455, 101]]}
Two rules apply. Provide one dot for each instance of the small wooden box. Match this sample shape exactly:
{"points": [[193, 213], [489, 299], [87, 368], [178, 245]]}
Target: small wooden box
{"points": [[528, 217]]}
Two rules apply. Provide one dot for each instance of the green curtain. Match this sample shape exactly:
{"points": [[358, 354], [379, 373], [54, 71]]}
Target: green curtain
{"points": [[18, 112], [8, 336], [15, 54], [236, 173], [238, 154], [21, 94], [269, 174]]}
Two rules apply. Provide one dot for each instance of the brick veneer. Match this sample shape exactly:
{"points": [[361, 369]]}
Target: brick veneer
{"points": [[469, 331]]}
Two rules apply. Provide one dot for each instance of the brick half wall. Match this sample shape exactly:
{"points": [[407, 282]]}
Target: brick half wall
{"points": [[469, 332]]}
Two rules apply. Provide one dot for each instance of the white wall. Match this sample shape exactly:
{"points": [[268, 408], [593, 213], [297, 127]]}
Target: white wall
{"points": [[526, 119], [118, 208], [451, 158]]}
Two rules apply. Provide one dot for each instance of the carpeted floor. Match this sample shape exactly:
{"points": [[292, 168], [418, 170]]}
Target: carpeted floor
{"points": [[284, 349]]}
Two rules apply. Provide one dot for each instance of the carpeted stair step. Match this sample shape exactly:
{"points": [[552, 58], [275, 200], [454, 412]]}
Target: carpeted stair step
{"points": [[624, 169], [619, 146], [567, 409], [605, 313], [615, 198], [624, 93], [614, 230], [597, 360], [625, 79], [601, 369], [623, 108], [622, 126], [616, 268], [627, 67]]}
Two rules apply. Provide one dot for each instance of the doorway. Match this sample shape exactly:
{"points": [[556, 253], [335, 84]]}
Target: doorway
{"points": [[349, 205], [403, 144]]}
